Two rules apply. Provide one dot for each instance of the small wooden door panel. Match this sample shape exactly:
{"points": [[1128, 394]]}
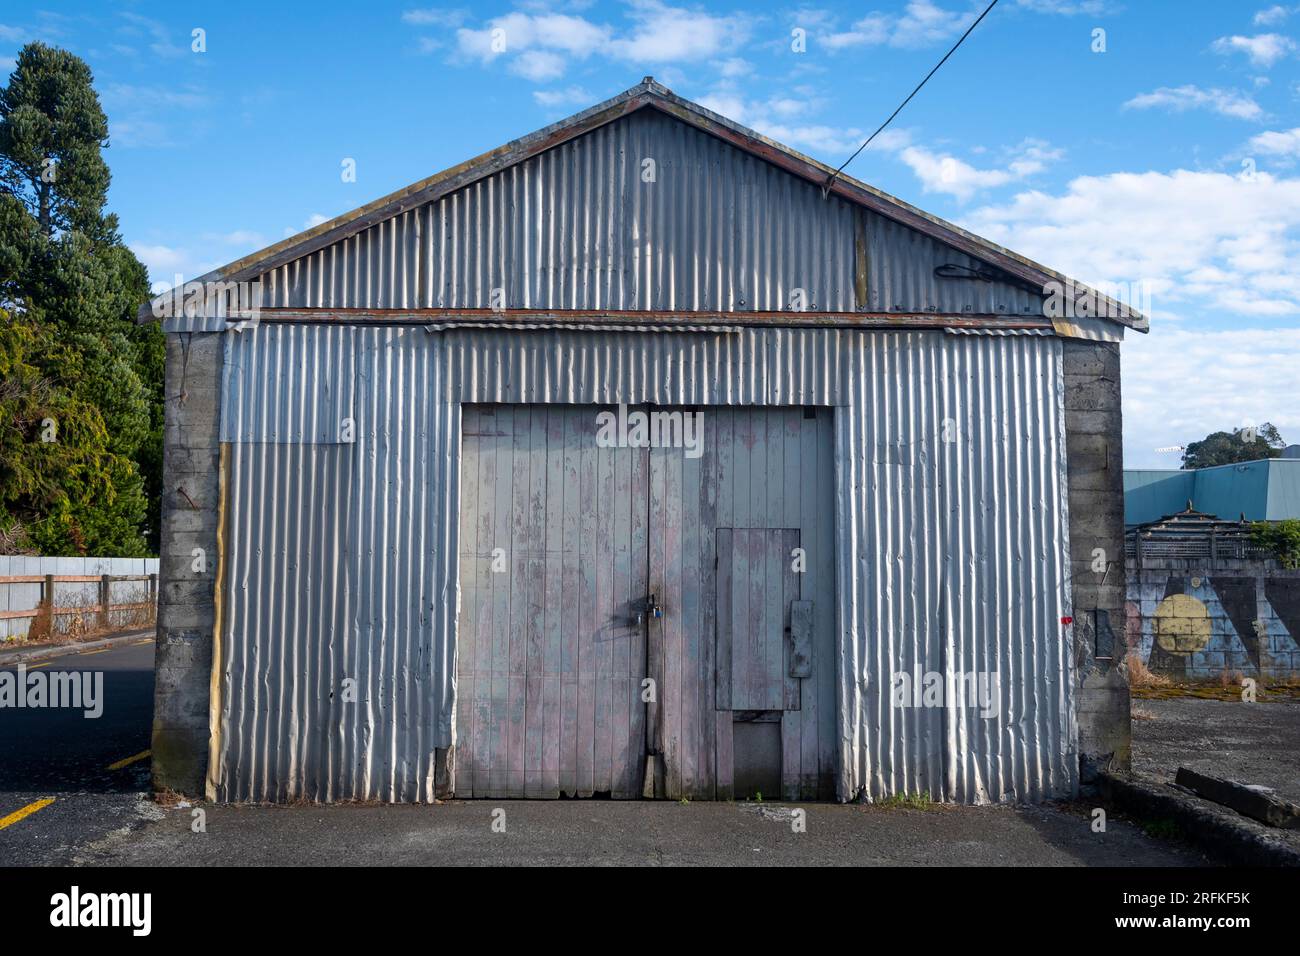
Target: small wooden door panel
{"points": [[756, 583]]}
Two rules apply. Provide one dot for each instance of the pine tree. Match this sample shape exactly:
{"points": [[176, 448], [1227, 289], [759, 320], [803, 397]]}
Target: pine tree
{"points": [[52, 131], [72, 353]]}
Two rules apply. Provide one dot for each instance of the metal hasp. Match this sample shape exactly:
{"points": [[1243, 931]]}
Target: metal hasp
{"points": [[650, 609]]}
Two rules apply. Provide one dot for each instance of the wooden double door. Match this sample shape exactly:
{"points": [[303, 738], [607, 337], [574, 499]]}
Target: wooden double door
{"points": [[624, 609]]}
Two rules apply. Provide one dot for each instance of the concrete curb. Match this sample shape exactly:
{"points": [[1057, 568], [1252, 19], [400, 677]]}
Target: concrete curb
{"points": [[1215, 831], [45, 652]]}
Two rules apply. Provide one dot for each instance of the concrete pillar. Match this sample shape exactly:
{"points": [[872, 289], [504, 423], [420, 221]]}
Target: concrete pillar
{"points": [[186, 606], [1095, 470]]}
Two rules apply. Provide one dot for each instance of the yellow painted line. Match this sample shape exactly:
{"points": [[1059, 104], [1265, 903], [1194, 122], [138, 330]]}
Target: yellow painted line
{"points": [[129, 760], [102, 650], [26, 811], [147, 640], [32, 667]]}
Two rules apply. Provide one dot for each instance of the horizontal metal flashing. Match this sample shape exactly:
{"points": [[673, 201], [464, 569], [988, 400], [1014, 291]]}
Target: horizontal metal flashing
{"points": [[616, 319]]}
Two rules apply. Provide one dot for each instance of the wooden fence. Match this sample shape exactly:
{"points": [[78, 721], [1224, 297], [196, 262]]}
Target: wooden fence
{"points": [[100, 611]]}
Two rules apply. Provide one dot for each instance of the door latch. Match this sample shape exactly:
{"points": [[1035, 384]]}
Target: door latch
{"points": [[652, 609]]}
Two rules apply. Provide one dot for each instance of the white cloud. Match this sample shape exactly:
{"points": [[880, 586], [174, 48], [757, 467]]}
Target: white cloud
{"points": [[789, 119], [159, 258], [538, 65], [540, 47], [665, 34], [516, 33], [149, 116], [921, 23], [1067, 8], [139, 132], [1264, 50], [311, 222], [569, 96], [871, 30], [735, 67], [1180, 385], [166, 263], [787, 107], [1283, 143], [1208, 242], [161, 40], [729, 104], [1271, 15], [1189, 97], [944, 173], [831, 144], [239, 237], [924, 23], [435, 17], [157, 97]]}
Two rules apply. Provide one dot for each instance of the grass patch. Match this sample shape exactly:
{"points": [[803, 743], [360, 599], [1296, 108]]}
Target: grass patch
{"points": [[1271, 691], [908, 801], [1162, 830], [1140, 677]]}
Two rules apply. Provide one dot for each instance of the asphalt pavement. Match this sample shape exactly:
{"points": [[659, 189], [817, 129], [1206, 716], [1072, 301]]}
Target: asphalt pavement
{"points": [[635, 833], [1251, 743], [67, 779]]}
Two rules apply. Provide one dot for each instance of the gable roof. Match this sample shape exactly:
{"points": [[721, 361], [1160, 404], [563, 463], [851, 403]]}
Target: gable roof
{"points": [[649, 94]]}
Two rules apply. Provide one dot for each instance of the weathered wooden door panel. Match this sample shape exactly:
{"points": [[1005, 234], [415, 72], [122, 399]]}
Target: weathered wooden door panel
{"points": [[550, 658], [767, 469], [756, 584], [553, 571]]}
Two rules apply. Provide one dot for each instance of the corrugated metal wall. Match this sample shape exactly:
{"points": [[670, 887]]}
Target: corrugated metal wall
{"points": [[953, 559], [901, 264], [577, 227], [340, 577], [950, 542]]}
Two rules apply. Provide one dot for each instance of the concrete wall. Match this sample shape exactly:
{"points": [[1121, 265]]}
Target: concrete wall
{"points": [[1191, 622], [1096, 495], [186, 607]]}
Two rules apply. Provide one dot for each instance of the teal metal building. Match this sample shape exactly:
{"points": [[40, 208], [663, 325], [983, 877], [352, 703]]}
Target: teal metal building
{"points": [[1265, 490]]}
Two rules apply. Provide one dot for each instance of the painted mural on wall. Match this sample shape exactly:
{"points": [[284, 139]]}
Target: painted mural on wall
{"points": [[1197, 626]]}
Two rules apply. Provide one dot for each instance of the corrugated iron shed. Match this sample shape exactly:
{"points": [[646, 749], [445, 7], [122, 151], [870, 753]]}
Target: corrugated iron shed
{"points": [[552, 274]]}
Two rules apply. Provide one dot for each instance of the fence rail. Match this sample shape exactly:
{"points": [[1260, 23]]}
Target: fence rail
{"points": [[102, 608], [1210, 547]]}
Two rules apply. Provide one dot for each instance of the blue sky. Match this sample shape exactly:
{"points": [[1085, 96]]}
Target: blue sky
{"points": [[1162, 150]]}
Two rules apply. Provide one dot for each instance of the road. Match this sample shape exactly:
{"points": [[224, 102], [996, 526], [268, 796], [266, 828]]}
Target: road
{"points": [[61, 754], [635, 833]]}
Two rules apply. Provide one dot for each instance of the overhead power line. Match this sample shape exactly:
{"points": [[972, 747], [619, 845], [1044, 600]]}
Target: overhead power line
{"points": [[831, 178]]}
